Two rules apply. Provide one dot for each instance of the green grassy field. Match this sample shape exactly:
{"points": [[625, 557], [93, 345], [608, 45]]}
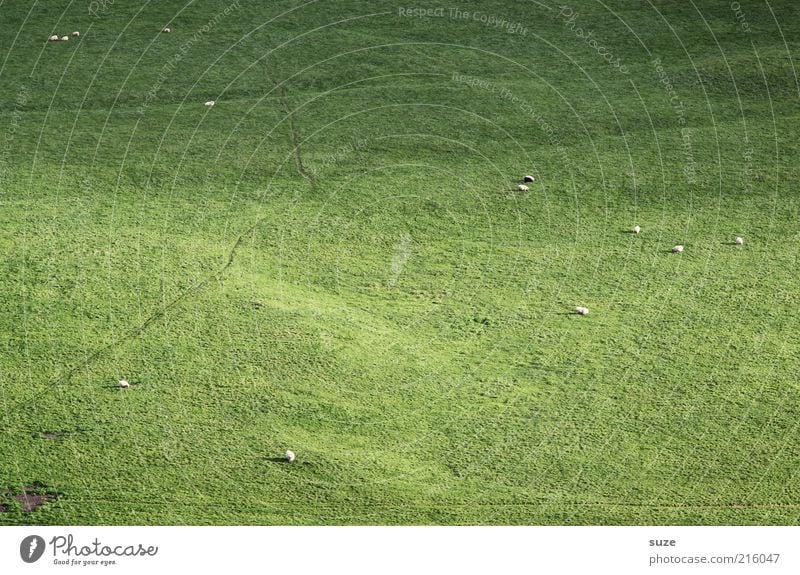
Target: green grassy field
{"points": [[334, 259]]}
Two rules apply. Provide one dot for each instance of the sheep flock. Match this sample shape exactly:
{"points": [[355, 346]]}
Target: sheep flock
{"points": [[677, 249]]}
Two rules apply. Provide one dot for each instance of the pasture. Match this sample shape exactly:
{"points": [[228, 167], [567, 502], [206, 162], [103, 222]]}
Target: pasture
{"points": [[335, 259]]}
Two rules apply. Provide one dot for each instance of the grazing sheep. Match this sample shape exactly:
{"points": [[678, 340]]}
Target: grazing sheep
{"points": [[210, 103], [123, 383], [677, 249], [739, 241], [64, 38], [528, 179], [290, 455], [582, 310], [54, 38], [76, 33], [636, 229], [522, 188], [166, 30]]}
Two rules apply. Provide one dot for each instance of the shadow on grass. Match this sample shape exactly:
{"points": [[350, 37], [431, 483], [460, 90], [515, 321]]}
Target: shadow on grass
{"points": [[131, 385], [279, 460], [56, 434], [287, 462]]}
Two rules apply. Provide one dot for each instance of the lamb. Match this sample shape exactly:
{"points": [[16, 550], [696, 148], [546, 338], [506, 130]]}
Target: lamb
{"points": [[677, 249], [739, 241], [64, 38], [54, 38], [123, 383], [580, 310], [166, 30], [290, 455], [522, 188], [636, 229], [210, 103]]}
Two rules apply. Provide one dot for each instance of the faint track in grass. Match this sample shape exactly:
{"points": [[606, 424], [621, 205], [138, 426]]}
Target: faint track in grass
{"points": [[134, 332], [158, 314], [293, 138]]}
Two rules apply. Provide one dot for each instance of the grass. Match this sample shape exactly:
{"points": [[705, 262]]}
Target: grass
{"points": [[333, 260]]}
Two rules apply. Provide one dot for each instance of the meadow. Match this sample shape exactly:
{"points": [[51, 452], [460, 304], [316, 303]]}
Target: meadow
{"points": [[335, 259]]}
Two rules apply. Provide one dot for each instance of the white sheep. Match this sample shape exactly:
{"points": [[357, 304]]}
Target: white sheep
{"points": [[210, 103], [166, 30], [739, 241], [636, 229], [677, 249], [290, 455], [522, 188], [54, 38], [528, 179], [64, 38], [580, 310], [123, 383], [76, 33]]}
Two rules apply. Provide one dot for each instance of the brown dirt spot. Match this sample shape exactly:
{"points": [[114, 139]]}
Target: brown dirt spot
{"points": [[30, 502], [33, 496]]}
